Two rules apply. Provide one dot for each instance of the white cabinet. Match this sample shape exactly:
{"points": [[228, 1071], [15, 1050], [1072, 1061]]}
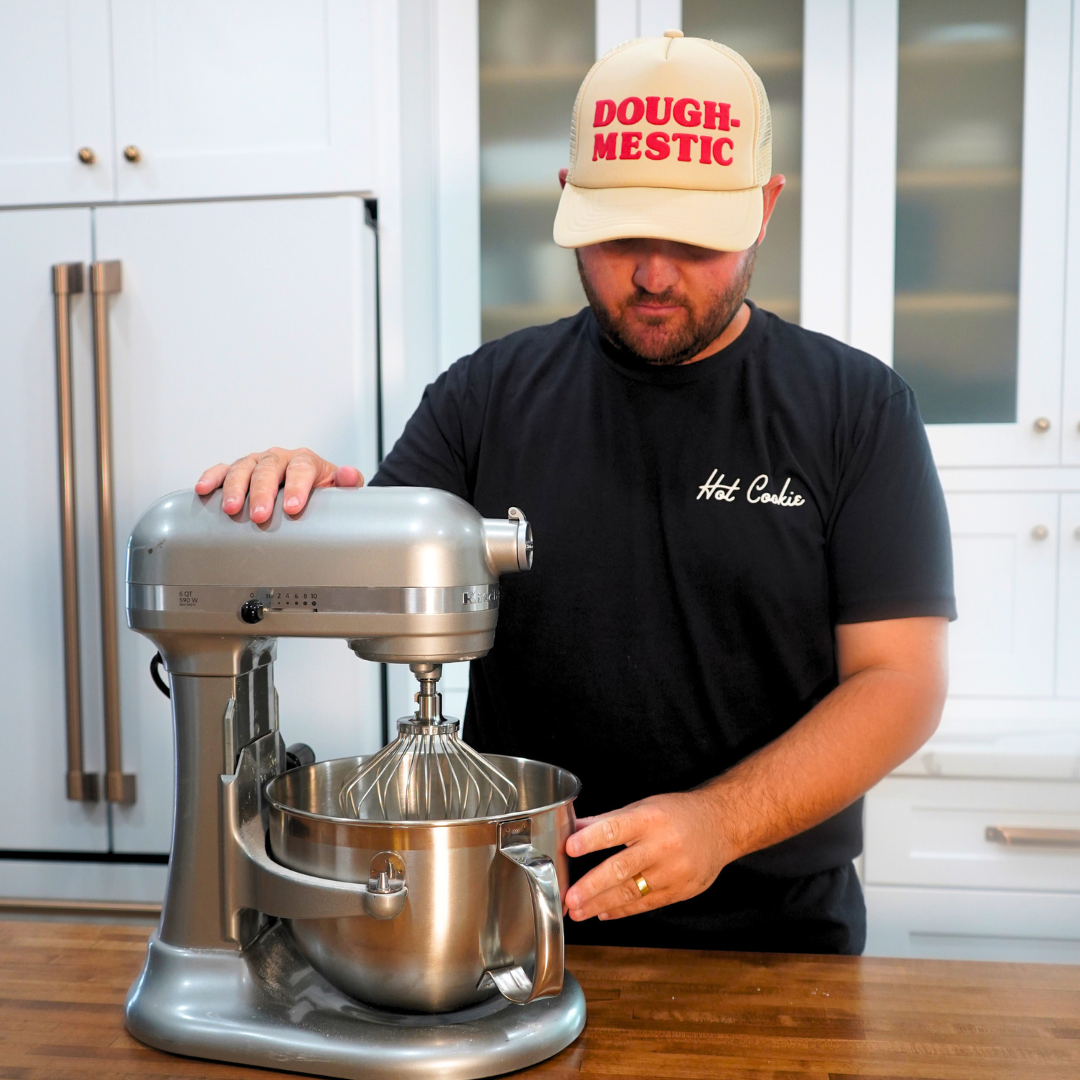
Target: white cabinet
{"points": [[54, 86], [236, 320], [937, 886], [242, 98], [932, 832], [185, 100], [32, 699], [963, 155], [1005, 565], [241, 318]]}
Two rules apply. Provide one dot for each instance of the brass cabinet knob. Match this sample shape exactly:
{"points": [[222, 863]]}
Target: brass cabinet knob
{"points": [[1040, 425], [1076, 532], [86, 155], [1040, 532], [132, 153]]}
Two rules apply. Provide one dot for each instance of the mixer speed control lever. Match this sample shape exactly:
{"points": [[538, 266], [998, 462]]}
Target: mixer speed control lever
{"points": [[252, 611]]}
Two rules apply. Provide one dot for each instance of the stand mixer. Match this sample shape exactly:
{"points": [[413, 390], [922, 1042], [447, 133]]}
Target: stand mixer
{"points": [[382, 936]]}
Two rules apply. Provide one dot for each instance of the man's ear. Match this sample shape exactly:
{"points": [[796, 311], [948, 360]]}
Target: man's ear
{"points": [[562, 177], [769, 194]]}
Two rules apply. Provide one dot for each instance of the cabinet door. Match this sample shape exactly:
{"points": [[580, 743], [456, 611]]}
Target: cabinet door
{"points": [[33, 797], [1005, 558], [970, 305], [1068, 641], [770, 37], [54, 85], [532, 58], [973, 924], [218, 98], [240, 325]]}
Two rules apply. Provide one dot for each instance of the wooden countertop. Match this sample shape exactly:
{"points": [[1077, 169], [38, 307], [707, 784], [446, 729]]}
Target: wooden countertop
{"points": [[652, 1014]]}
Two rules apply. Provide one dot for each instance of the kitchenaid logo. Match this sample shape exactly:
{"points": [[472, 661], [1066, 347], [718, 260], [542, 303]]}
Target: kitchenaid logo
{"points": [[716, 488], [686, 112], [480, 596]]}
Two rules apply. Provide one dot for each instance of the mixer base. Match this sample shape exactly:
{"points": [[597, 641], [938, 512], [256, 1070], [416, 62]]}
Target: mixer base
{"points": [[268, 1007]]}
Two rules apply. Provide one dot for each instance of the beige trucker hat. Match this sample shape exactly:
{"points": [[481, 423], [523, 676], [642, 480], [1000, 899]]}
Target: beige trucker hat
{"points": [[671, 138]]}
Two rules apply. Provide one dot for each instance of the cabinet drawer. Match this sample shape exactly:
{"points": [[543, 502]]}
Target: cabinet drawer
{"points": [[934, 832], [973, 924], [1005, 565]]}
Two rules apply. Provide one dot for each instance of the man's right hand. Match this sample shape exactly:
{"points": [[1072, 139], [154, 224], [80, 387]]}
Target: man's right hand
{"points": [[262, 475]]}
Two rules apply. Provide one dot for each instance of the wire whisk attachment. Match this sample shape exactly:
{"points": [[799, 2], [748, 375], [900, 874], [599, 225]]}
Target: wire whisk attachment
{"points": [[427, 773]]}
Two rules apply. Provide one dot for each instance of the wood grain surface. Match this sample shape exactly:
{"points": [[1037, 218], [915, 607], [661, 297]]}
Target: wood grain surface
{"points": [[652, 1014]]}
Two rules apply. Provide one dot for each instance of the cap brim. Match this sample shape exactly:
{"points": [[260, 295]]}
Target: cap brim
{"points": [[721, 220]]}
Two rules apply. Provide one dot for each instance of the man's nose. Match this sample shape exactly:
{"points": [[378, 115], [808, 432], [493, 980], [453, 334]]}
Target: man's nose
{"points": [[655, 274]]}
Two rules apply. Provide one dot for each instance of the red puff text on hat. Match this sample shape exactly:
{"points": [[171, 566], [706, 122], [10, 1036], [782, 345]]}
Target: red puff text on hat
{"points": [[686, 112]]}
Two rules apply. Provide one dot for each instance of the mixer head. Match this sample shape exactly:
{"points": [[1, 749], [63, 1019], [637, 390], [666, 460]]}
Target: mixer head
{"points": [[404, 575], [427, 773]]}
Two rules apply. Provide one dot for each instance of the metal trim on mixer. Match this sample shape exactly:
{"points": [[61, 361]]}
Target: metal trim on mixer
{"points": [[353, 600]]}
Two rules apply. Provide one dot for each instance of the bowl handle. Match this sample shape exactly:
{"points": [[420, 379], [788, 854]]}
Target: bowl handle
{"points": [[515, 843]]}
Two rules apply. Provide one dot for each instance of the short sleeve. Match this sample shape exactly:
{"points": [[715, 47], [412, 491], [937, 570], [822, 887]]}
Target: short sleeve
{"points": [[441, 442], [890, 552]]}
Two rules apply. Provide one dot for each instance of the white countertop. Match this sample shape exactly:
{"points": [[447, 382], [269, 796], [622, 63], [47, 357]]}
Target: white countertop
{"points": [[1002, 739]]}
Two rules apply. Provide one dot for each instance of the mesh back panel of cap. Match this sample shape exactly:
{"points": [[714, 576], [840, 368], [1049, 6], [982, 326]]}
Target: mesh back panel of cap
{"points": [[763, 161]]}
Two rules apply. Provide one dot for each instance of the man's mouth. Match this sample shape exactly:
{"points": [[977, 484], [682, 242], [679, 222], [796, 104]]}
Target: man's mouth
{"points": [[654, 310]]}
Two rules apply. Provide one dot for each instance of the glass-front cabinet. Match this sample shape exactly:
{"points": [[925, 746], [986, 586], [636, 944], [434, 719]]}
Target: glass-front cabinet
{"points": [[963, 161], [533, 56], [970, 307], [958, 160], [769, 33]]}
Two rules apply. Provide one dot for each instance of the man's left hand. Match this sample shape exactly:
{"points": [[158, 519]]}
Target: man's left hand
{"points": [[673, 841]]}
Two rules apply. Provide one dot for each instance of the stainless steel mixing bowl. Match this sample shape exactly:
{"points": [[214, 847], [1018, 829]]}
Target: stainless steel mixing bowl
{"points": [[484, 906]]}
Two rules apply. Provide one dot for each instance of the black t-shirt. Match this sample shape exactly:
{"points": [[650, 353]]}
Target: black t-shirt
{"points": [[700, 530]]}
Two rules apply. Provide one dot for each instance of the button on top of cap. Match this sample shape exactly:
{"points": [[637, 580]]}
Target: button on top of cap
{"points": [[673, 33]]}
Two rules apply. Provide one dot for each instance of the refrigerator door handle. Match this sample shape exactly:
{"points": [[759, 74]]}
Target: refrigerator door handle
{"points": [[82, 786], [105, 278]]}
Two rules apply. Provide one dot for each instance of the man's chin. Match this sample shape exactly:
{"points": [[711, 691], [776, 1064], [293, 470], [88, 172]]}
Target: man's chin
{"points": [[652, 337], [657, 344]]}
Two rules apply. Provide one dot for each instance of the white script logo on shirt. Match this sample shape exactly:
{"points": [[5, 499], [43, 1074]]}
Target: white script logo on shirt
{"points": [[715, 488]]}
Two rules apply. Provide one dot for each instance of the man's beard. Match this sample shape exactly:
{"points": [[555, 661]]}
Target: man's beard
{"points": [[696, 333]]}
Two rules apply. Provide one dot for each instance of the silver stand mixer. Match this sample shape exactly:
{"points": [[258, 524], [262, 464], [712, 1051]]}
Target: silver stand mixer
{"points": [[303, 931]]}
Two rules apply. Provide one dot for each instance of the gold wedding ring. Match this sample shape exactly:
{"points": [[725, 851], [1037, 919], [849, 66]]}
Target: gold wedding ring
{"points": [[642, 884]]}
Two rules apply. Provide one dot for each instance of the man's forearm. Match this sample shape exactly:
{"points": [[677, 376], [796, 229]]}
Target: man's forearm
{"points": [[878, 717]]}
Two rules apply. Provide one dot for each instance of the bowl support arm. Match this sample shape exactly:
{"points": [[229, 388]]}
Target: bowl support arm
{"points": [[253, 881]]}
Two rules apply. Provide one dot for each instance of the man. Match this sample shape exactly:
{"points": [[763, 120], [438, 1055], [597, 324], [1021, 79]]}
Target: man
{"points": [[736, 620]]}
